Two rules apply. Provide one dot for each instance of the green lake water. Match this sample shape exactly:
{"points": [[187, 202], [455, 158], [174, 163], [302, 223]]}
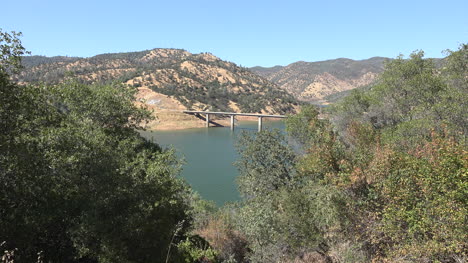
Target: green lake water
{"points": [[209, 155]]}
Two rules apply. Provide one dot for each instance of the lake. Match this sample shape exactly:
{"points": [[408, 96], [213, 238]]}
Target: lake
{"points": [[209, 154]]}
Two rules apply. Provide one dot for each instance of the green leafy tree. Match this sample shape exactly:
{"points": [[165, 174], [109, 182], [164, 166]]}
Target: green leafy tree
{"points": [[321, 151], [78, 182], [285, 213], [266, 163], [454, 102], [410, 100], [11, 51]]}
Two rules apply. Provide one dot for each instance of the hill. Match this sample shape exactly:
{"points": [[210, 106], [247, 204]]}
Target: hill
{"points": [[314, 81], [169, 80]]}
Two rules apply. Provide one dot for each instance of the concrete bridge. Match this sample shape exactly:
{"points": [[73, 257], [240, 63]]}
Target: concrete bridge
{"points": [[232, 114]]}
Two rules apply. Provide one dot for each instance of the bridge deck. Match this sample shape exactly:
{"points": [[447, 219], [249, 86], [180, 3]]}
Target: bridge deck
{"points": [[235, 114], [232, 114]]}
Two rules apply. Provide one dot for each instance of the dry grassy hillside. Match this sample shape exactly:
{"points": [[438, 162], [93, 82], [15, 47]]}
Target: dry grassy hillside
{"points": [[195, 80], [313, 81], [169, 80]]}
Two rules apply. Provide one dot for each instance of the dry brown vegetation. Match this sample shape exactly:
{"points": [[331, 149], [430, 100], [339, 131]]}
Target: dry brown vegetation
{"points": [[313, 81], [169, 80]]}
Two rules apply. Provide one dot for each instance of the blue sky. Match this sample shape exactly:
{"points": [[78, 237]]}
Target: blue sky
{"points": [[249, 33]]}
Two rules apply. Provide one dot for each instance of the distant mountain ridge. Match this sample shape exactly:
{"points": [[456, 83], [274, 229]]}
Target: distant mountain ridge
{"points": [[181, 79], [314, 81]]}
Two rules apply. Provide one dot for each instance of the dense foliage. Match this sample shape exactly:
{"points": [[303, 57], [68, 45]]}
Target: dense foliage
{"points": [[78, 183], [384, 179], [407, 161]]}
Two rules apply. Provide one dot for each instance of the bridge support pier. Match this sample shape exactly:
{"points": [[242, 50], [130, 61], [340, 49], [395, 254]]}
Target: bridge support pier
{"points": [[259, 124], [232, 115]]}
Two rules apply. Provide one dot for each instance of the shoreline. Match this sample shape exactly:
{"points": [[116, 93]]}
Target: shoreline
{"points": [[169, 116]]}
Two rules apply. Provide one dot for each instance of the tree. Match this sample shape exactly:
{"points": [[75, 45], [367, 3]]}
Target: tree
{"points": [[404, 165], [11, 51], [78, 182], [411, 98], [284, 212], [455, 101], [266, 163]]}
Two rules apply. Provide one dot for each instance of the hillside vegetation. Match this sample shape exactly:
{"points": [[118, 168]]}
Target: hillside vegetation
{"points": [[313, 81], [78, 182], [197, 81], [383, 179]]}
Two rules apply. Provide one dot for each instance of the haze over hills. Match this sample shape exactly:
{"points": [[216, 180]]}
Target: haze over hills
{"points": [[313, 81]]}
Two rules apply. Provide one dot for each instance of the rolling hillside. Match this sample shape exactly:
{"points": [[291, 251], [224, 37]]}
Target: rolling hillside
{"points": [[314, 81], [169, 78]]}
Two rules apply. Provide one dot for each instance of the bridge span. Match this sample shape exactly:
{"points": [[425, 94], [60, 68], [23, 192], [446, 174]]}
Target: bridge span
{"points": [[232, 114]]}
